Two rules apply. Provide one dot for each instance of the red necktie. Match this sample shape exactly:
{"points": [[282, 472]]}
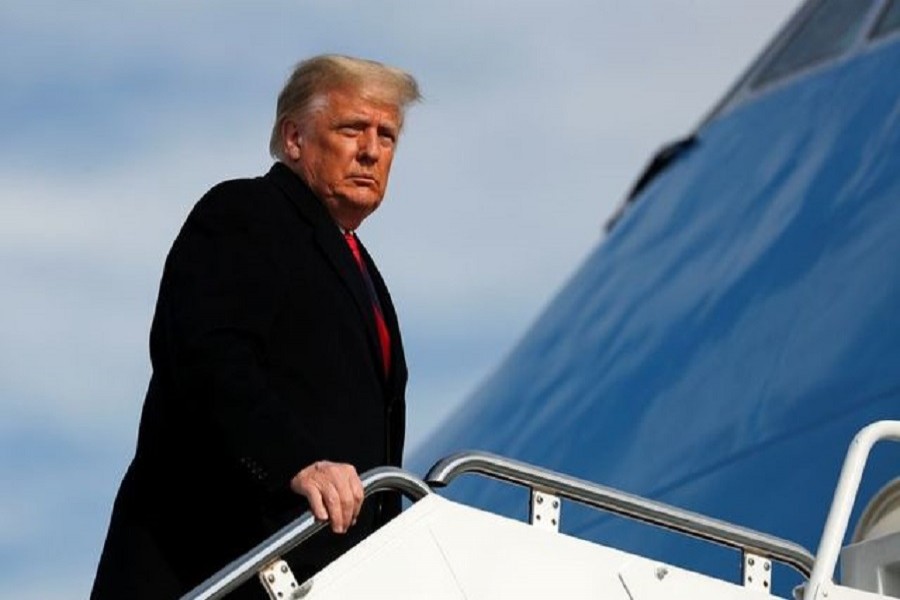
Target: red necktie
{"points": [[384, 336]]}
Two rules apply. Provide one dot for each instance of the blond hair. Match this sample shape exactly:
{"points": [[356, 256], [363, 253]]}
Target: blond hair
{"points": [[305, 90]]}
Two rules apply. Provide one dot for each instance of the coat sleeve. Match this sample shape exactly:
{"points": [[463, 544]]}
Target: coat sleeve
{"points": [[220, 295]]}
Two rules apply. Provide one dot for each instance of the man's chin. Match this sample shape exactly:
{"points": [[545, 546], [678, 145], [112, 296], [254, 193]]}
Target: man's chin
{"points": [[350, 211], [364, 204]]}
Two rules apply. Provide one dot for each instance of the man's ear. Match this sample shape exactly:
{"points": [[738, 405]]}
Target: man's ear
{"points": [[292, 139]]}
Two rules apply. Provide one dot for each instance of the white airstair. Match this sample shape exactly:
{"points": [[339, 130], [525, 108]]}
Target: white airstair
{"points": [[439, 549]]}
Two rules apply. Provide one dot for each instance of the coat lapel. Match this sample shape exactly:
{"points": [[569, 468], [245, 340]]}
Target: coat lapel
{"points": [[332, 245]]}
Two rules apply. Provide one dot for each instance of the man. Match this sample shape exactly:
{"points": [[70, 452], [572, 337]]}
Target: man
{"points": [[278, 369]]}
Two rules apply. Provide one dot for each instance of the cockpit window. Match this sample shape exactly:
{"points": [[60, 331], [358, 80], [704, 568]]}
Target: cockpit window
{"points": [[889, 21], [831, 28]]}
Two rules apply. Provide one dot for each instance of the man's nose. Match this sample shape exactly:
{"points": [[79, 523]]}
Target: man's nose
{"points": [[369, 146]]}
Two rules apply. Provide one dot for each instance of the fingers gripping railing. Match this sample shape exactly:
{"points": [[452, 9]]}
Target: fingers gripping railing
{"points": [[240, 570], [615, 501]]}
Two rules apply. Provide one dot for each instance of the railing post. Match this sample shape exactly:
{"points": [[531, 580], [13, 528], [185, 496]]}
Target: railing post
{"points": [[844, 498]]}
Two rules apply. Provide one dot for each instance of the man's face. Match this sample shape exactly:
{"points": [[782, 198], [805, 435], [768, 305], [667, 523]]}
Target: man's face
{"points": [[344, 153]]}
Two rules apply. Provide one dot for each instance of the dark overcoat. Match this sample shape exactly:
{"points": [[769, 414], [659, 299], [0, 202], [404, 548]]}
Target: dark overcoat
{"points": [[265, 359]]}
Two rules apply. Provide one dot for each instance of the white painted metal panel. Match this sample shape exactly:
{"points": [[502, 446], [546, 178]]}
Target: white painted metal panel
{"points": [[439, 549]]}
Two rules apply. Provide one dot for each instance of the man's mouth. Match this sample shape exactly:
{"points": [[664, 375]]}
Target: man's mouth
{"points": [[364, 180]]}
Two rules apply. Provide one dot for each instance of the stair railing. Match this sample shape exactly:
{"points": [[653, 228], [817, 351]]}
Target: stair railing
{"points": [[381, 479], [547, 486]]}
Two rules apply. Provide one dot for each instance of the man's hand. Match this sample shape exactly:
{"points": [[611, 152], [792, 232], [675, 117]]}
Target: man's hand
{"points": [[333, 490]]}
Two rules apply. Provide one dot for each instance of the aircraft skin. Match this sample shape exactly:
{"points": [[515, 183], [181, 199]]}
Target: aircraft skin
{"points": [[723, 344]]}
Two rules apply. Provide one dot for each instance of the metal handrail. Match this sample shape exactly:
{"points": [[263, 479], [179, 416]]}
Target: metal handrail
{"points": [[622, 503], [296, 532], [844, 498]]}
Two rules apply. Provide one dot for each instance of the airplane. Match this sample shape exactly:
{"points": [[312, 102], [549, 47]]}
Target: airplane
{"points": [[714, 355], [739, 322]]}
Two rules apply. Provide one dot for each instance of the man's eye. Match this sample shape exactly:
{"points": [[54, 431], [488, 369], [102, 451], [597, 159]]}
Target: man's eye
{"points": [[348, 130]]}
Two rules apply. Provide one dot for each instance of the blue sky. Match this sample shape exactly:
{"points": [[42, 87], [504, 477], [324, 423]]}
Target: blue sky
{"points": [[115, 118]]}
